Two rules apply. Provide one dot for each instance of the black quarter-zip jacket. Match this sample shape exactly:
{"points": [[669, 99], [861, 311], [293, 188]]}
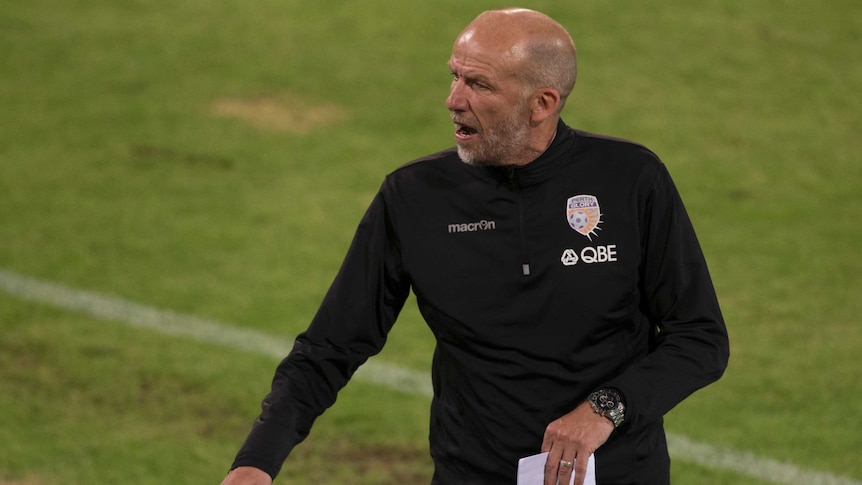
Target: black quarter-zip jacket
{"points": [[541, 283]]}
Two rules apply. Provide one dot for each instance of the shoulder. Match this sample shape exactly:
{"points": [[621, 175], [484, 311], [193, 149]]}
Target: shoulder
{"points": [[621, 166], [609, 147], [618, 160], [436, 161], [443, 168]]}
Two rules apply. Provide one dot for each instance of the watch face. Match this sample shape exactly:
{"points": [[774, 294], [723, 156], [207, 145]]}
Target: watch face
{"points": [[606, 401], [609, 404]]}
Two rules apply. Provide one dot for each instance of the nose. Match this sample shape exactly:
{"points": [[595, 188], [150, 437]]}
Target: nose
{"points": [[456, 100]]}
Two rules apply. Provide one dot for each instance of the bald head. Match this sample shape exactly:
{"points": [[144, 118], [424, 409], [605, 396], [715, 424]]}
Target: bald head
{"points": [[534, 46]]}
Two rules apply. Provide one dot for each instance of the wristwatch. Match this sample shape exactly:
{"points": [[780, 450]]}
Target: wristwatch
{"points": [[609, 403]]}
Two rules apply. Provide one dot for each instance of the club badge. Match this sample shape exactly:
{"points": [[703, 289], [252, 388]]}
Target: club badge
{"points": [[583, 214]]}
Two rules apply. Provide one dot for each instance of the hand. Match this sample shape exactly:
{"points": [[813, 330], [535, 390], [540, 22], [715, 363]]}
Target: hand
{"points": [[247, 475], [573, 438]]}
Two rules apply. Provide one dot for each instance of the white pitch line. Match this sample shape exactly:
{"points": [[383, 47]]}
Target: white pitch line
{"points": [[392, 376], [749, 464], [196, 328]]}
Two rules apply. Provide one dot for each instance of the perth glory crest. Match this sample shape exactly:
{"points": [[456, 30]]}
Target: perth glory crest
{"points": [[584, 214]]}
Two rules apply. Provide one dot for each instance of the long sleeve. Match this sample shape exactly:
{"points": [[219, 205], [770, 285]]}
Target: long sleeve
{"points": [[350, 326], [690, 346]]}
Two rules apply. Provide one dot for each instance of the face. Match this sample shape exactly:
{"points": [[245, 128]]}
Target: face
{"points": [[489, 106]]}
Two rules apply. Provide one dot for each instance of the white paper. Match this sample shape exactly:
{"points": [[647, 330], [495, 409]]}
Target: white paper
{"points": [[531, 470]]}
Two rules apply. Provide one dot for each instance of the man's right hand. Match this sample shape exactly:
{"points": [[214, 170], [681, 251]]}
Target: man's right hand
{"points": [[247, 475]]}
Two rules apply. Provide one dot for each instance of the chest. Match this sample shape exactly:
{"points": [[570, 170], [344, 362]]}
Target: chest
{"points": [[497, 258]]}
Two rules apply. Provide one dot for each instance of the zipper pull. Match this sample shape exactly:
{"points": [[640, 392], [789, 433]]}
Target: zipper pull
{"points": [[511, 176]]}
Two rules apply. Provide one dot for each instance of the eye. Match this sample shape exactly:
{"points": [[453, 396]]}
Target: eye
{"points": [[471, 82]]}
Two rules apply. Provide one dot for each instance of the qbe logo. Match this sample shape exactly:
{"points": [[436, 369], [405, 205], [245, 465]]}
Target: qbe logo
{"points": [[590, 255]]}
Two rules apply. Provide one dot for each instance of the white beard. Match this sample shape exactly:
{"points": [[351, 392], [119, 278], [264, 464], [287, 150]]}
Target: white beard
{"points": [[500, 146]]}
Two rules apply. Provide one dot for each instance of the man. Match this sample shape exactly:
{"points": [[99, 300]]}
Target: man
{"points": [[557, 269]]}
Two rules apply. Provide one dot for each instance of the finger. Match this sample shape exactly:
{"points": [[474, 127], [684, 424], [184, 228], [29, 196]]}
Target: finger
{"points": [[555, 454], [566, 470], [558, 470], [581, 468], [552, 467], [547, 443]]}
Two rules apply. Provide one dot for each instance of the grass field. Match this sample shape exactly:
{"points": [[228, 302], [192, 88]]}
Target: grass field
{"points": [[212, 158]]}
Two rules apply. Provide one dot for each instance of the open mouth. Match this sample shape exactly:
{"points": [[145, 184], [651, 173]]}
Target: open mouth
{"points": [[464, 131]]}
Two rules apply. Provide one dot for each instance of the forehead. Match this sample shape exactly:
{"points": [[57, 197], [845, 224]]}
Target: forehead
{"points": [[474, 55]]}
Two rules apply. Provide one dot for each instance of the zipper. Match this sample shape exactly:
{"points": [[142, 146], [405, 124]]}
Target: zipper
{"points": [[525, 261]]}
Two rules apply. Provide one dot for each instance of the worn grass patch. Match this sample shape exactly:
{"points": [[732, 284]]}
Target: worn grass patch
{"points": [[287, 113]]}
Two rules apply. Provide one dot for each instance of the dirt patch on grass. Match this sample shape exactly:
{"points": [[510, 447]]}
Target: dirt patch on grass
{"points": [[402, 465], [153, 153], [286, 113], [345, 462], [29, 481]]}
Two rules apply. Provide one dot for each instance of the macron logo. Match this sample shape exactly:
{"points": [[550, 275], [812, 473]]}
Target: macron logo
{"points": [[482, 225]]}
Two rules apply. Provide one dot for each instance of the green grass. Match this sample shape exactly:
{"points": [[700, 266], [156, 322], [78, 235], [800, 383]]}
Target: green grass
{"points": [[117, 177]]}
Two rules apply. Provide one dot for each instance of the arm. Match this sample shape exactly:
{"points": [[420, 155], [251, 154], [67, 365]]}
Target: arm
{"points": [[350, 326], [690, 348]]}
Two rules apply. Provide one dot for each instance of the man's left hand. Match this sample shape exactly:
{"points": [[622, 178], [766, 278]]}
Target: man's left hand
{"points": [[570, 440]]}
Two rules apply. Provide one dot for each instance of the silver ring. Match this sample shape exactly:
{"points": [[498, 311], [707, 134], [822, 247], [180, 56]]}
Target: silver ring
{"points": [[566, 464]]}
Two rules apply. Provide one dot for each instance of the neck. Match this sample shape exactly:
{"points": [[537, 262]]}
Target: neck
{"points": [[542, 142]]}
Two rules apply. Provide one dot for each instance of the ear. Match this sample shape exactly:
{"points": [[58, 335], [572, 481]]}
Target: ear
{"points": [[546, 103]]}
